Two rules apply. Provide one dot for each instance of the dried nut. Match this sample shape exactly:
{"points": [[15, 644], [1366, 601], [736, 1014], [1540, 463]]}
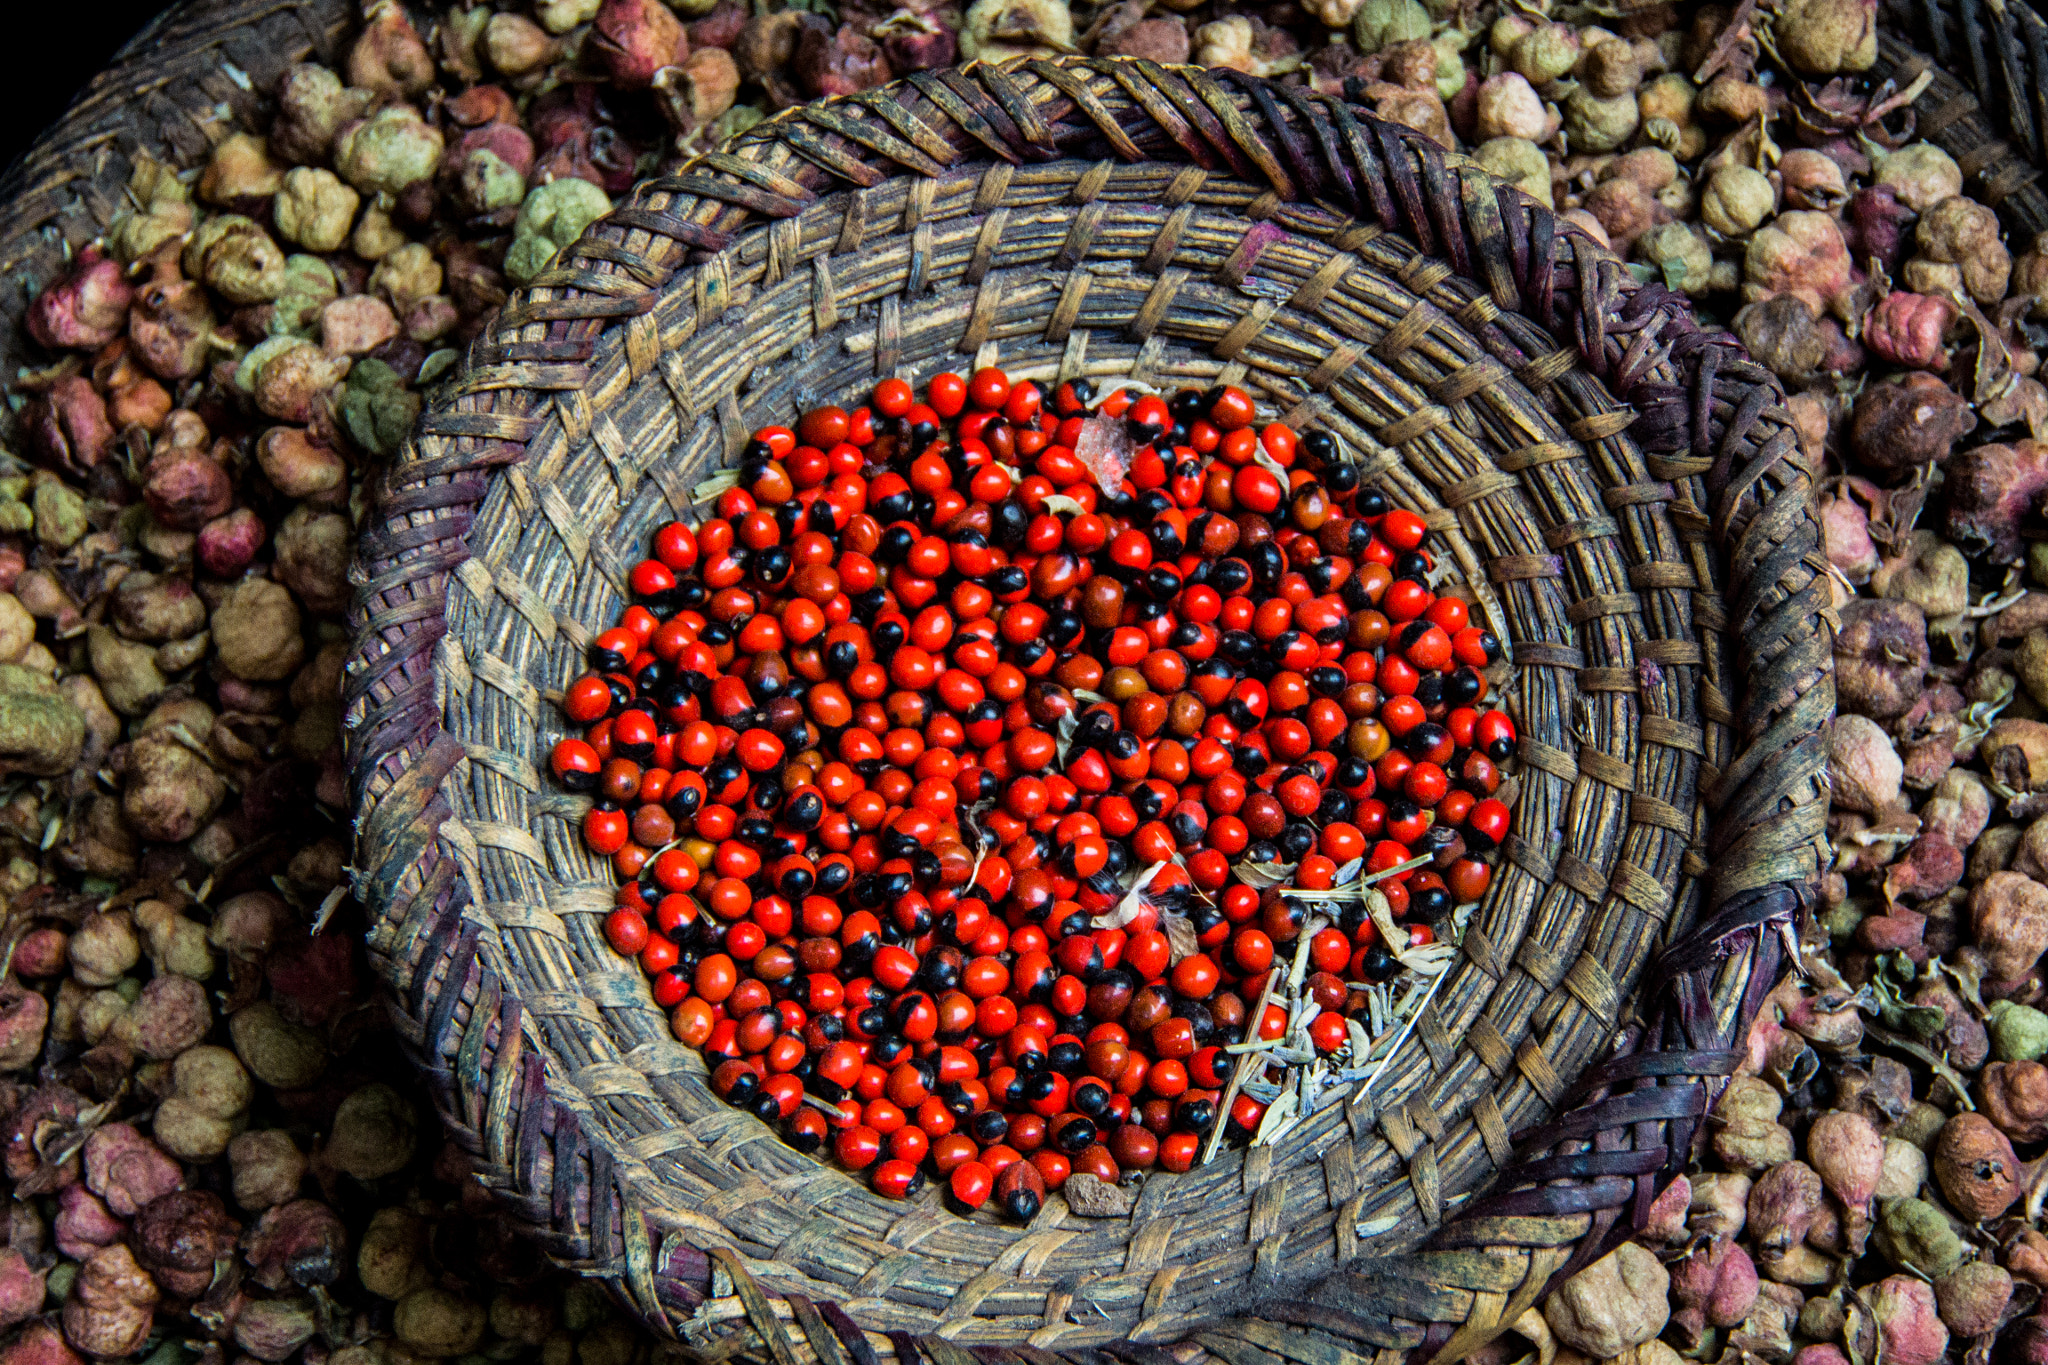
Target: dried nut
{"points": [[1848, 1154], [313, 553], [280, 1053], [1720, 1204], [1930, 574], [2019, 1033], [435, 1323], [1510, 107], [312, 106], [1522, 164], [302, 1242], [1904, 1170], [391, 1260], [1799, 253], [1974, 1165], [1617, 1302], [314, 209], [110, 1308], [1864, 770], [104, 948], [1737, 200], [1909, 420], [171, 788], [180, 1239], [1782, 334], [389, 152], [1973, 1298], [374, 1132], [256, 627], [1965, 233], [237, 259], [2009, 917], [1881, 657], [273, 1329], [1915, 1235], [42, 732], [1921, 175], [267, 1165], [553, 216]]}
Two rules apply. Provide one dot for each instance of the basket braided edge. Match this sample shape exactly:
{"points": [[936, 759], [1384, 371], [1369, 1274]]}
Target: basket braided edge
{"points": [[1705, 409]]}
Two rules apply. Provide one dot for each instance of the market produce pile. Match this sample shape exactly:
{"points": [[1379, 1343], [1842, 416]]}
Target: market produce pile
{"points": [[210, 1150]]}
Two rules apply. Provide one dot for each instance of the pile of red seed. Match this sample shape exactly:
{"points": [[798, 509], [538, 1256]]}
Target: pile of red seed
{"points": [[882, 752]]}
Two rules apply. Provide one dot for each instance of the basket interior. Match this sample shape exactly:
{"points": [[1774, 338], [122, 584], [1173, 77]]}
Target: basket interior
{"points": [[1591, 562]]}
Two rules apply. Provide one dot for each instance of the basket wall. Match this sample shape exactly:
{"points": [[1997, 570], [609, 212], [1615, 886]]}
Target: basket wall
{"points": [[643, 359]]}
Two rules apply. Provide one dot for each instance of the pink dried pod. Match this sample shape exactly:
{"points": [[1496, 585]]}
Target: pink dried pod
{"points": [[1782, 1205], [1930, 867], [84, 310], [181, 1238], [169, 1016], [1820, 1353], [481, 104], [185, 488], [43, 951], [1847, 1152], [41, 1343], [1994, 496], [1879, 226], [1714, 1286], [1845, 528], [302, 1243], [69, 426], [128, 1169], [720, 28], [842, 61], [83, 1223], [21, 1288], [1829, 1020], [1666, 1222], [229, 544], [1911, 329], [930, 44], [313, 979], [1908, 1322], [636, 38], [24, 1015]]}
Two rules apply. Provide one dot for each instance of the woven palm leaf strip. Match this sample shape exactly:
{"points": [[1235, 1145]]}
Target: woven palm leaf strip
{"points": [[197, 74], [1117, 215]]}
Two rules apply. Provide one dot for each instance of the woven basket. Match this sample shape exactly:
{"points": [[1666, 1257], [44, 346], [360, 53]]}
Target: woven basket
{"points": [[1108, 218], [199, 73]]}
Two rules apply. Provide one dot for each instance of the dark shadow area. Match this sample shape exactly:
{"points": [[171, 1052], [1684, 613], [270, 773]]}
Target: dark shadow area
{"points": [[37, 90]]}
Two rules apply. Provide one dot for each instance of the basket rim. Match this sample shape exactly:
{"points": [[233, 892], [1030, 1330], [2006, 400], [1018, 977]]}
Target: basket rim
{"points": [[1077, 82]]}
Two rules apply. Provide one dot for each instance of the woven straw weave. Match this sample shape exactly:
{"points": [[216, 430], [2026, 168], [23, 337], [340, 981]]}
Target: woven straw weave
{"points": [[1110, 218]]}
